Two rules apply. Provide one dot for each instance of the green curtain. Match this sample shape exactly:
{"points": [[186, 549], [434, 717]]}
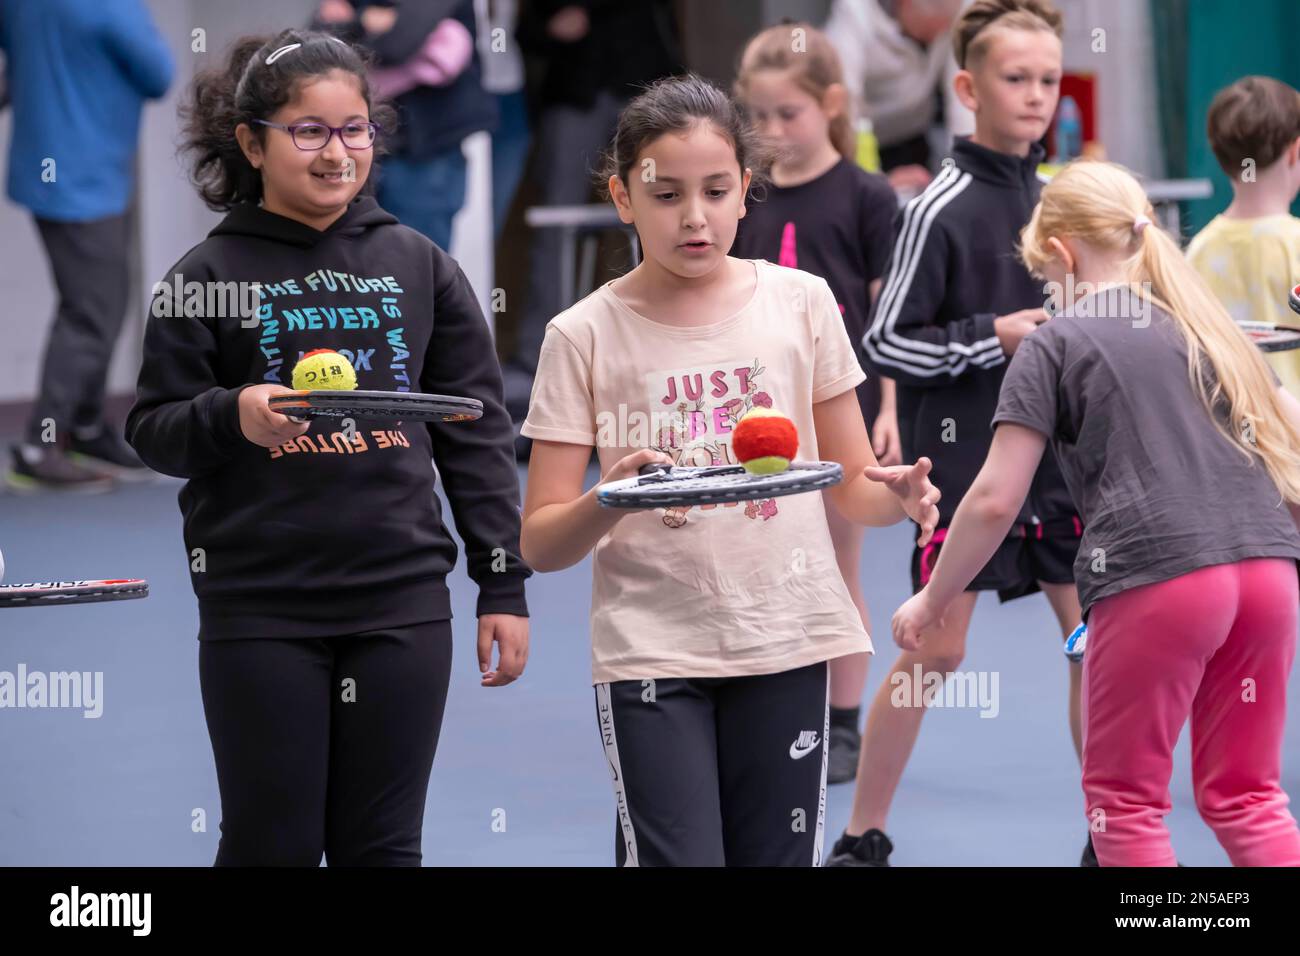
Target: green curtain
{"points": [[1200, 47]]}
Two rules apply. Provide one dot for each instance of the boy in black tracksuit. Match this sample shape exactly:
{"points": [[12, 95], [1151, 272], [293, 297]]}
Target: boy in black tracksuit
{"points": [[954, 275], [953, 272]]}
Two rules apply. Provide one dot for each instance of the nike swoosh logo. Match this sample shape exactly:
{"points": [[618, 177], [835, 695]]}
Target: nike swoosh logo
{"points": [[796, 752]]}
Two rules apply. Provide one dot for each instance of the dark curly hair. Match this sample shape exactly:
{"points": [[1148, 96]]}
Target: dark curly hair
{"points": [[247, 88]]}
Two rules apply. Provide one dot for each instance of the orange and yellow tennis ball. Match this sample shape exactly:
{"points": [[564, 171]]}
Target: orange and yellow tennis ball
{"points": [[324, 369], [765, 441]]}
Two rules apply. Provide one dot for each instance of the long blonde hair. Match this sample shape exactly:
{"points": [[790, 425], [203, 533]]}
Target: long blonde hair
{"points": [[1100, 203]]}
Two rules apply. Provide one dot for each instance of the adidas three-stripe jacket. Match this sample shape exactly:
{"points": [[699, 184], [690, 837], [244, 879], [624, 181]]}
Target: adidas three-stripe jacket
{"points": [[953, 270]]}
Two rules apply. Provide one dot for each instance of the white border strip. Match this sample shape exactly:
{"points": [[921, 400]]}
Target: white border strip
{"points": [[605, 715], [826, 751]]}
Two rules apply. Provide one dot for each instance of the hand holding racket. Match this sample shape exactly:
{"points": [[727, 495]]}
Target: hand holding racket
{"points": [[630, 466], [626, 470], [260, 423], [911, 483]]}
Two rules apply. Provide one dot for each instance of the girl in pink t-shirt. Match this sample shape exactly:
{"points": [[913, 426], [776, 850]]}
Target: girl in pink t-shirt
{"points": [[711, 627]]}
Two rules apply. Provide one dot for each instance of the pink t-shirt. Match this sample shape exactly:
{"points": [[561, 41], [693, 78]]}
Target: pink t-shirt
{"points": [[721, 590]]}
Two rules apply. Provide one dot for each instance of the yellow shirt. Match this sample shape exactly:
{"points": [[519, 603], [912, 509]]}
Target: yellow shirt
{"points": [[1251, 265], [713, 591]]}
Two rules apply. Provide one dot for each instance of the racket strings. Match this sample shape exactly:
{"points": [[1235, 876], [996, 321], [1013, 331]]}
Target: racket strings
{"points": [[720, 480], [718, 484], [404, 406]]}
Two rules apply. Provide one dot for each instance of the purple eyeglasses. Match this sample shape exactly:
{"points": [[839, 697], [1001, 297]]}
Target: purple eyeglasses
{"points": [[313, 136]]}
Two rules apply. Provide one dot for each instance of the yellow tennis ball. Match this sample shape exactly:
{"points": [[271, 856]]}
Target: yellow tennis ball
{"points": [[324, 369], [767, 465]]}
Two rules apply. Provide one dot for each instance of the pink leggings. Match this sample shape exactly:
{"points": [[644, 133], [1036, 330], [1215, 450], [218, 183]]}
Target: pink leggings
{"points": [[1217, 644]]}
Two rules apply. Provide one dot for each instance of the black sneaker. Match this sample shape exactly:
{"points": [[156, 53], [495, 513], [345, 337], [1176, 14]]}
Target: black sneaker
{"points": [[1089, 857], [870, 849], [842, 764], [34, 469], [104, 451]]}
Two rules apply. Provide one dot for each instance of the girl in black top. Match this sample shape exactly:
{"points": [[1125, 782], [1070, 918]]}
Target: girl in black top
{"points": [[318, 554]]}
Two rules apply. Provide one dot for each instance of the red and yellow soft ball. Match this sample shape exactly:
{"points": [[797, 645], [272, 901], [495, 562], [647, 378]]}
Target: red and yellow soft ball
{"points": [[765, 441]]}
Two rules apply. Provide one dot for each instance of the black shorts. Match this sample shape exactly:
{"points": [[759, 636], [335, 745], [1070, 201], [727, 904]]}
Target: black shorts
{"points": [[1032, 553], [725, 771]]}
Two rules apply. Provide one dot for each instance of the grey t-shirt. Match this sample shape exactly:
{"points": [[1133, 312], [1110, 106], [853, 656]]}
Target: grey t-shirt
{"points": [[1160, 489]]}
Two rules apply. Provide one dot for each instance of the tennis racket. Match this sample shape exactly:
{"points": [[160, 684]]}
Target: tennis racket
{"points": [[58, 593], [396, 406], [1271, 337], [662, 486]]}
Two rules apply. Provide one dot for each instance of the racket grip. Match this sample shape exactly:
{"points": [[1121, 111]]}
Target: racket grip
{"points": [[653, 469]]}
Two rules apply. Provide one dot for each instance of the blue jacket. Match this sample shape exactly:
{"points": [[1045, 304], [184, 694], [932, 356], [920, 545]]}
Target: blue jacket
{"points": [[79, 73]]}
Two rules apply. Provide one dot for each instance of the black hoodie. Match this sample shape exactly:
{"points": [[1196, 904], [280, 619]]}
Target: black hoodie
{"points": [[329, 535], [954, 269]]}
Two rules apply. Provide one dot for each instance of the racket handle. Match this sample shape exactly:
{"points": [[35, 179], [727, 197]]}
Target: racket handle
{"points": [[654, 469]]}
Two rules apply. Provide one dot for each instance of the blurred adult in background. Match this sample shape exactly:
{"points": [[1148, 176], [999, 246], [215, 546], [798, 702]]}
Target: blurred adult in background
{"points": [[426, 61], [503, 77], [79, 72], [899, 66], [597, 54]]}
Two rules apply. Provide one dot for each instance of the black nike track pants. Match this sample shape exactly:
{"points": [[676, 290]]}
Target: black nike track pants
{"points": [[718, 771]]}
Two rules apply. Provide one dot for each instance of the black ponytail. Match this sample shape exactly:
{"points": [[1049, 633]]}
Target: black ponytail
{"points": [[249, 88]]}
